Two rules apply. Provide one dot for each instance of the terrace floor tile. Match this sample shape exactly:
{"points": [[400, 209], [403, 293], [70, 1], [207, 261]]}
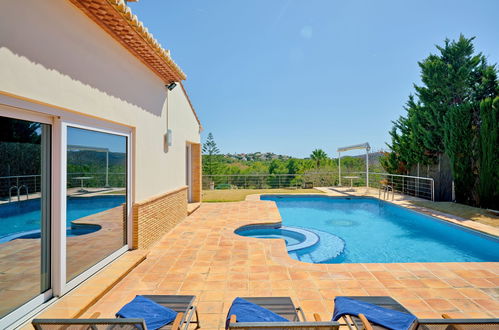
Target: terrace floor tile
{"points": [[203, 256]]}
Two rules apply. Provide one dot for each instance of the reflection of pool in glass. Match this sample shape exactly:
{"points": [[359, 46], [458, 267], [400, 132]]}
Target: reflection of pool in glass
{"points": [[24, 216]]}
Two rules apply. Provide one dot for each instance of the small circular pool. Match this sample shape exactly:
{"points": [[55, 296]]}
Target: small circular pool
{"points": [[295, 238], [74, 230]]}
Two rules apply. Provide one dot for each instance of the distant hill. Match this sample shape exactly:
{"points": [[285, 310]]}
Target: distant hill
{"points": [[256, 156], [373, 157], [268, 156]]}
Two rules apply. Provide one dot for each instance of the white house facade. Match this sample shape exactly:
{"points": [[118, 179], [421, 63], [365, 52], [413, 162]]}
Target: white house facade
{"points": [[99, 145]]}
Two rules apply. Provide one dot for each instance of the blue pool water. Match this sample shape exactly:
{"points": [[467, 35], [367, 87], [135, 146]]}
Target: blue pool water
{"points": [[24, 216], [272, 233], [377, 231]]}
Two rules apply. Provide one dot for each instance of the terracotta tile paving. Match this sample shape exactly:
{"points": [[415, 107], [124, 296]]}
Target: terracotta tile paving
{"points": [[202, 256], [20, 258]]}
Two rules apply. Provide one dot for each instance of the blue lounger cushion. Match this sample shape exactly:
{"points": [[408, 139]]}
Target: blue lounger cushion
{"points": [[154, 315], [246, 311], [387, 318]]}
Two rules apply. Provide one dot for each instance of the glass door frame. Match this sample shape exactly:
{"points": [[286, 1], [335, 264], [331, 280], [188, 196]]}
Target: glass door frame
{"points": [[35, 304], [64, 286], [17, 107]]}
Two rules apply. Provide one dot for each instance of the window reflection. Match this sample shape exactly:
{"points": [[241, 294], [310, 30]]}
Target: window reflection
{"points": [[24, 212], [96, 197]]}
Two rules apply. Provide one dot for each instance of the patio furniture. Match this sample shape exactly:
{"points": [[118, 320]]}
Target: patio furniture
{"points": [[361, 322], [183, 305], [283, 307], [82, 178], [94, 324], [351, 180], [354, 321]]}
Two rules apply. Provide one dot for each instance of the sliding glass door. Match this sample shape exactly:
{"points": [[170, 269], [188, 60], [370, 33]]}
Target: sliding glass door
{"points": [[64, 206], [96, 197], [25, 199]]}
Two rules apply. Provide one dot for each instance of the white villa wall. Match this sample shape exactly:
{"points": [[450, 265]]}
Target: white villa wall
{"points": [[52, 53]]}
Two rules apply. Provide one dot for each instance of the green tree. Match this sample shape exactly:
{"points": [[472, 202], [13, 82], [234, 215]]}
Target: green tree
{"points": [[210, 151], [489, 157], [318, 156], [292, 166], [277, 167], [454, 81], [453, 77], [15, 130], [459, 147]]}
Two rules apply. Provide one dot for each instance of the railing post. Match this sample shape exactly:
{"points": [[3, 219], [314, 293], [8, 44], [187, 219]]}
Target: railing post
{"points": [[432, 190]]}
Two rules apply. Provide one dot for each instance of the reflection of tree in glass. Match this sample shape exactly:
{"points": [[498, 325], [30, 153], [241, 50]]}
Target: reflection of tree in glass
{"points": [[93, 164], [14, 130], [19, 148]]}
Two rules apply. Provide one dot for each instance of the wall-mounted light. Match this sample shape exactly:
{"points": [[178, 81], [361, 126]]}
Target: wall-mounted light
{"points": [[171, 86], [168, 138]]}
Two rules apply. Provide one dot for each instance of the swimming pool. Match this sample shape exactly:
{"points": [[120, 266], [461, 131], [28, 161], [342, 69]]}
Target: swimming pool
{"points": [[375, 231], [24, 216]]}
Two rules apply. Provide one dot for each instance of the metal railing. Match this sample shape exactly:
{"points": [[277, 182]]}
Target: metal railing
{"points": [[269, 181], [402, 184], [96, 180], [20, 187], [421, 187]]}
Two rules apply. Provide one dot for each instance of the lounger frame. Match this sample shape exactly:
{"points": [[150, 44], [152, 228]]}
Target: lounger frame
{"points": [[38, 324], [354, 322], [284, 307], [182, 304]]}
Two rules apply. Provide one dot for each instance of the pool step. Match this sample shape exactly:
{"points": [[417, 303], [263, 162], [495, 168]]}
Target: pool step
{"points": [[329, 247]]}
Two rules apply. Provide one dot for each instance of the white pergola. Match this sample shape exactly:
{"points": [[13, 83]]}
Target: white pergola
{"points": [[356, 146]]}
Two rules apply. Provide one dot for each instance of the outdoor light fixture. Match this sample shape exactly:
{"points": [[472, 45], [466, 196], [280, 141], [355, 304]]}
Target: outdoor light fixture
{"points": [[168, 137], [171, 86]]}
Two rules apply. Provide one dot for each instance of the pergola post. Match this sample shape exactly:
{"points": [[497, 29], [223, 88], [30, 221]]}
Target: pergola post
{"points": [[339, 169], [356, 146], [367, 166], [107, 169]]}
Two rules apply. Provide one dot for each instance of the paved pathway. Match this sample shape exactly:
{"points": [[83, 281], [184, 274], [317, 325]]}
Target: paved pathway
{"points": [[202, 256]]}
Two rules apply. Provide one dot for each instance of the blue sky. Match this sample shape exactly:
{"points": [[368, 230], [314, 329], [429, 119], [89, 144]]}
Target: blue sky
{"points": [[87, 138], [289, 76]]}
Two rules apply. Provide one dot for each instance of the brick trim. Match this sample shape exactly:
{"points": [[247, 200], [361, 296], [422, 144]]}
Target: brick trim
{"points": [[156, 197], [157, 215]]}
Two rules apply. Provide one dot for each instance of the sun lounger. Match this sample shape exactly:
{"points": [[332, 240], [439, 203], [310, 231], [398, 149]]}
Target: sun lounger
{"points": [[360, 321], [283, 307], [183, 305]]}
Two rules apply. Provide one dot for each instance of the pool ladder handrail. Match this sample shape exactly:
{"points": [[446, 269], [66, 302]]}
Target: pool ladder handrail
{"points": [[386, 188], [18, 189]]}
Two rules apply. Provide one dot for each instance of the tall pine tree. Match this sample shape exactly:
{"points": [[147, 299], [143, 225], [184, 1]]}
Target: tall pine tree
{"points": [[489, 156], [444, 116], [210, 151]]}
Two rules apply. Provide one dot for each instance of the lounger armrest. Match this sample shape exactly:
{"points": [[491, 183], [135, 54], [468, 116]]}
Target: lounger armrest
{"points": [[285, 325], [365, 322], [177, 322], [300, 312]]}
